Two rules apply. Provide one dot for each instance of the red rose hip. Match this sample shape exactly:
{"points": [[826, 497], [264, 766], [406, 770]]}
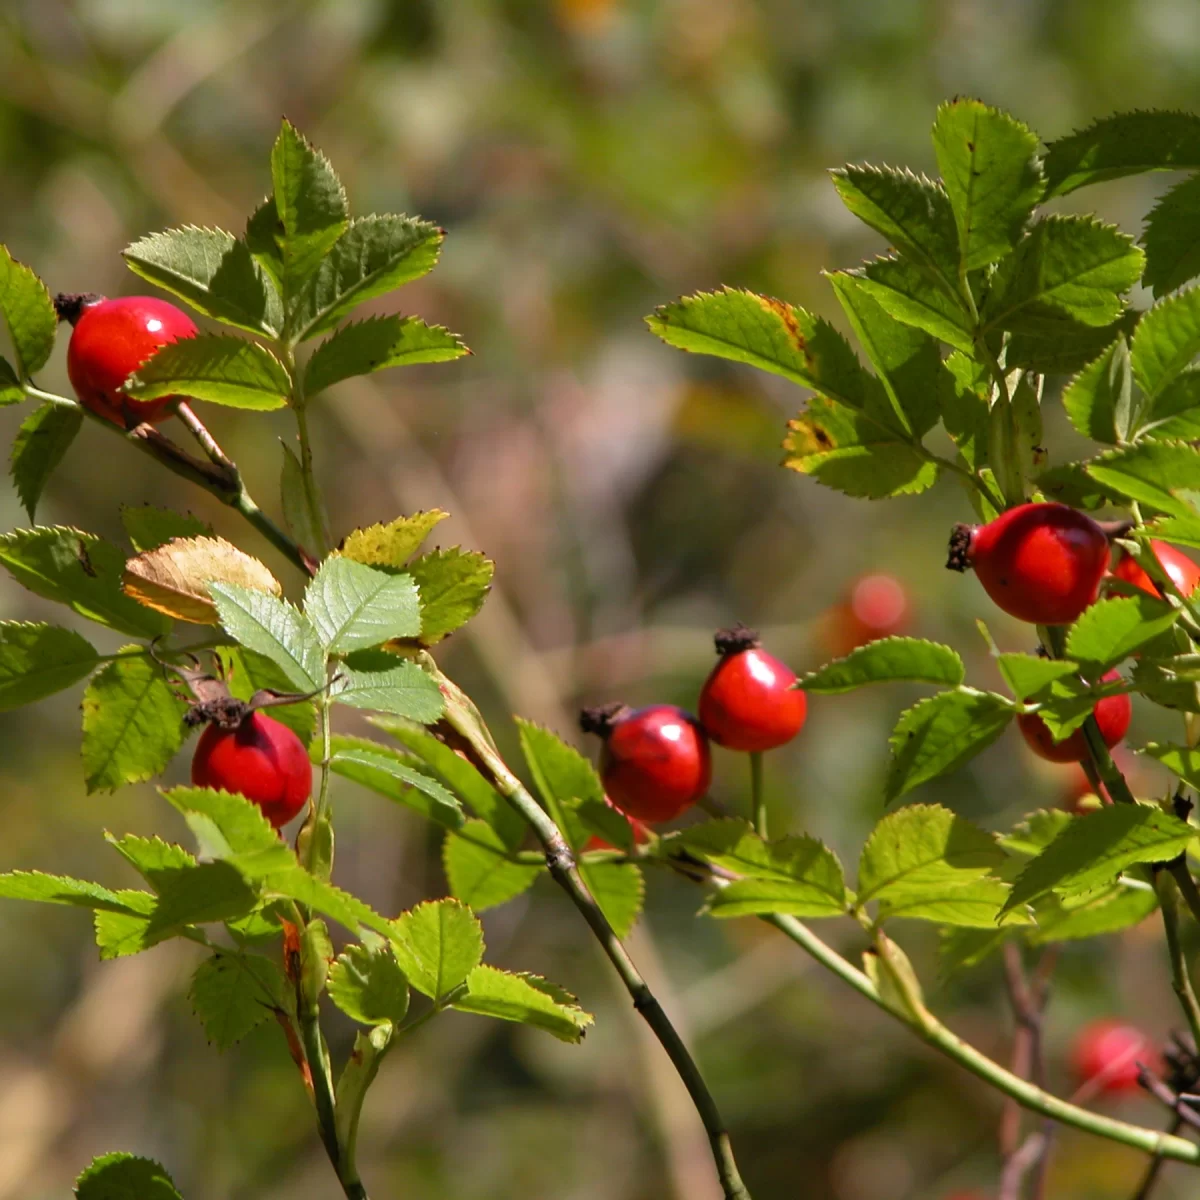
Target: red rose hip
{"points": [[111, 339], [656, 762], [1112, 716], [1183, 571], [748, 702], [1107, 1054], [876, 607], [261, 759], [1041, 563]]}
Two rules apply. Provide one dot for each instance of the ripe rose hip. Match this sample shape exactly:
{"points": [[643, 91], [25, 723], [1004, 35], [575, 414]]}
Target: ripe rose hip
{"points": [[748, 702], [877, 607], [260, 758], [1041, 563], [111, 339], [1108, 1052], [1112, 716], [1183, 571], [656, 761]]}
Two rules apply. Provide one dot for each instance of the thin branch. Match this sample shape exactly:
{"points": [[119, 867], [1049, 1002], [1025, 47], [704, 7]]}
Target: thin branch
{"points": [[464, 720], [758, 806], [1154, 1171], [1165, 1095], [1180, 978]]}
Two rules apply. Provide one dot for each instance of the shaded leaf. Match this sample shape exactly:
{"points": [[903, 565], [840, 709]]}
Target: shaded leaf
{"points": [[29, 314], [479, 867], [217, 368], [1167, 339], [1172, 237], [1104, 387], [233, 994], [148, 527], [125, 1177], [902, 290], [37, 660], [41, 442], [383, 771]]}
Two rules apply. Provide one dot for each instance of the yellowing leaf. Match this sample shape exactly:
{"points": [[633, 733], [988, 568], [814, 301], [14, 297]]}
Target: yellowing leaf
{"points": [[174, 578], [393, 544]]}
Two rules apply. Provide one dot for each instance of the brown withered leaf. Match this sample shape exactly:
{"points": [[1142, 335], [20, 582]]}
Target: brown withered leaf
{"points": [[393, 544], [174, 577]]}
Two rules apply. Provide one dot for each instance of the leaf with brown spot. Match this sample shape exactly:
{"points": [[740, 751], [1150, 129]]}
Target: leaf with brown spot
{"points": [[174, 578]]}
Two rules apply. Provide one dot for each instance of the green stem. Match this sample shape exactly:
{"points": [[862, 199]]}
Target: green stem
{"points": [[1151, 1141], [1180, 979], [757, 803], [312, 492], [222, 481], [465, 721]]}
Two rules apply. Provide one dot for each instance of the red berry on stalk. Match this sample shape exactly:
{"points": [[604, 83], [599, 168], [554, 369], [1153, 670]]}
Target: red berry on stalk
{"points": [[748, 702], [111, 339], [1107, 1053], [259, 758], [1112, 716], [876, 607], [655, 763], [1041, 563], [1184, 572]]}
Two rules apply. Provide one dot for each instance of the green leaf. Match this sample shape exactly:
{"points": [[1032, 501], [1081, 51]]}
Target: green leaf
{"points": [[619, 889], [1183, 761], [157, 862], [217, 368], [79, 893], [1093, 914], [273, 628], [991, 174], [1068, 267], [391, 545], [1063, 347], [1171, 238], [80, 570], [453, 585], [37, 660], [918, 860], [907, 360], [212, 271], [1111, 631], [41, 442], [225, 823], [964, 407], [911, 212], [1097, 846], [809, 874], [1032, 835], [233, 994], [961, 949], [1152, 473], [850, 453], [479, 868], [263, 231], [1175, 414], [310, 203], [1102, 389], [438, 944], [526, 999], [887, 660], [148, 527], [376, 255], [1123, 144], [938, 735], [773, 336], [29, 314], [384, 683], [1026, 674], [561, 774], [247, 672], [308, 531], [354, 606], [1068, 702], [384, 771], [366, 983], [901, 289], [132, 722], [11, 391], [1165, 342], [460, 776], [375, 345], [125, 1177], [206, 892]]}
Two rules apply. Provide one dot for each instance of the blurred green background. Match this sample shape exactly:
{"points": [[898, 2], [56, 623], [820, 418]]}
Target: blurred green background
{"points": [[589, 159]]}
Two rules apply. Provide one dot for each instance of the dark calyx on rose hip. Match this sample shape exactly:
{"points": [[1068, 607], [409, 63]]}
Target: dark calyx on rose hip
{"points": [[1041, 563], [748, 701], [656, 761], [110, 339], [245, 751]]}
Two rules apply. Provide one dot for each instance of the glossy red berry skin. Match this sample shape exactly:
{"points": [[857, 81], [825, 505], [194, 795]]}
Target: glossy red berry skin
{"points": [[1184, 572], [656, 762], [1112, 716], [1108, 1052], [748, 702], [262, 759], [111, 339], [1040, 563]]}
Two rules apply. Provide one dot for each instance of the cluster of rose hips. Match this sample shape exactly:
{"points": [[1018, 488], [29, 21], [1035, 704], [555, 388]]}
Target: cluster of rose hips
{"points": [[1044, 563], [656, 762]]}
